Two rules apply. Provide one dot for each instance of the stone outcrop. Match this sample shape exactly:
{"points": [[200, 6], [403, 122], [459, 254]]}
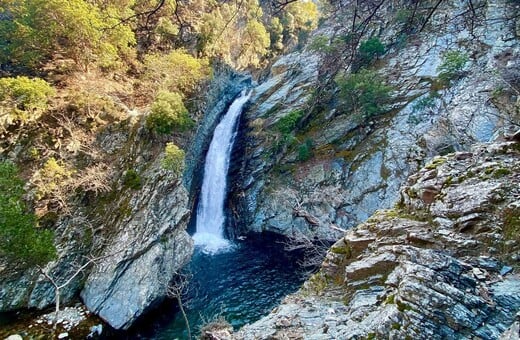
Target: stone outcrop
{"points": [[147, 250], [440, 264], [136, 239], [360, 165]]}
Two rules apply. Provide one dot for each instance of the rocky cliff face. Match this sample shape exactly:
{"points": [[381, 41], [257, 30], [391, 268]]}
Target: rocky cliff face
{"points": [[132, 239], [437, 265], [147, 248], [136, 238], [359, 165]]}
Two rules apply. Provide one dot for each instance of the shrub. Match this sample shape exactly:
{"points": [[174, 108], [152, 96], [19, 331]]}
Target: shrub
{"points": [[176, 71], [20, 240], [23, 99], [424, 103], [168, 113], [173, 159], [363, 93], [452, 66], [51, 180], [305, 150], [132, 180], [370, 49], [287, 123]]}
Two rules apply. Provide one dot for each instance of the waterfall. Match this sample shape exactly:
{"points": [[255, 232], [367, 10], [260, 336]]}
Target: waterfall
{"points": [[210, 213]]}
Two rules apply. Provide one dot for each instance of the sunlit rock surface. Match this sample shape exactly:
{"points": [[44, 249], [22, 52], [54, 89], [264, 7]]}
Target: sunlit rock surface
{"points": [[440, 264]]}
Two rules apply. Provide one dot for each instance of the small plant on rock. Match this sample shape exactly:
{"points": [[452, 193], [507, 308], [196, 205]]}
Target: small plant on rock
{"points": [[370, 49], [173, 159], [132, 179], [452, 66], [363, 93], [305, 150], [287, 123]]}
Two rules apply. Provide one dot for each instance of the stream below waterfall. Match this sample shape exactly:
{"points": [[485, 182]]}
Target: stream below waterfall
{"points": [[241, 285], [239, 282]]}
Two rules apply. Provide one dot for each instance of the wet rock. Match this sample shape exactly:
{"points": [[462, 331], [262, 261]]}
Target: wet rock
{"points": [[506, 270]]}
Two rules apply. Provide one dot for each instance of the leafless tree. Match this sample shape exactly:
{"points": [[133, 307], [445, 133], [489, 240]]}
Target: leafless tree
{"points": [[177, 290], [60, 284]]}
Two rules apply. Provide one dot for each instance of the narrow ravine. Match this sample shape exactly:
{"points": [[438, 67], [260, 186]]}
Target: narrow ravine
{"points": [[239, 280]]}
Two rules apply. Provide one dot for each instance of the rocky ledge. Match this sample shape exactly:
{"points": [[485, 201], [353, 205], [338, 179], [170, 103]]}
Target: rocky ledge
{"points": [[441, 264]]}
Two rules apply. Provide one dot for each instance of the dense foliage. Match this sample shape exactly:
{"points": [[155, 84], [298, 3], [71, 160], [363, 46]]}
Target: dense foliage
{"points": [[37, 30], [175, 71], [21, 241], [363, 93], [168, 113], [22, 99]]}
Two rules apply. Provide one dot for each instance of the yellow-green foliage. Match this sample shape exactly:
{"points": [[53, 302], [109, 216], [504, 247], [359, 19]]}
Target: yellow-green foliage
{"points": [[234, 32], [53, 175], [168, 113], [23, 99], [177, 71], [21, 242], [255, 44], [452, 66], [304, 15], [173, 159], [76, 29]]}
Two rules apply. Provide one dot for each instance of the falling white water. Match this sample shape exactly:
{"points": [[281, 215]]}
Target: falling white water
{"points": [[210, 212]]}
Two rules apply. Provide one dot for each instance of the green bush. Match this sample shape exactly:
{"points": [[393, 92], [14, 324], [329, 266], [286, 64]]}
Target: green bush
{"points": [[370, 49], [168, 113], [305, 150], [173, 159], [20, 240], [452, 66], [363, 93], [23, 99], [287, 123], [425, 102], [177, 71], [132, 180]]}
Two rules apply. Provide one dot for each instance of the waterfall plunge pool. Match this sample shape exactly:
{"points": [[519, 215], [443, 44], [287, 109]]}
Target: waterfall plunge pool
{"points": [[241, 285], [239, 282]]}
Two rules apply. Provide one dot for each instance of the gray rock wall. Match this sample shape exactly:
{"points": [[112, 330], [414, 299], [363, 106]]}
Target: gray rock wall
{"points": [[359, 166], [439, 265]]}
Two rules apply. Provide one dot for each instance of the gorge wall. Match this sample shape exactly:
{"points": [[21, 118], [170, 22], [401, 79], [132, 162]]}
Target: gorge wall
{"points": [[359, 164], [132, 239], [435, 266]]}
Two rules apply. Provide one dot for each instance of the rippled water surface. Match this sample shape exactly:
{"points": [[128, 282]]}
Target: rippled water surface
{"points": [[241, 285]]}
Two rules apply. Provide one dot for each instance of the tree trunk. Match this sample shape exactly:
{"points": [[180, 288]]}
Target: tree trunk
{"points": [[179, 301], [57, 293]]}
